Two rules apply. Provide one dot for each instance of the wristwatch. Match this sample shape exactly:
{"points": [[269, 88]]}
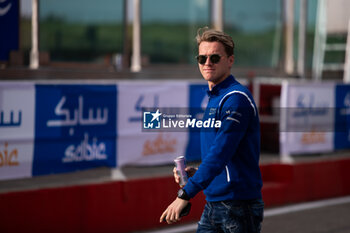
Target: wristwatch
{"points": [[183, 195]]}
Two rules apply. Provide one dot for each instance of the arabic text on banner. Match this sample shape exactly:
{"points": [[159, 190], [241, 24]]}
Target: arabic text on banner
{"points": [[75, 128]]}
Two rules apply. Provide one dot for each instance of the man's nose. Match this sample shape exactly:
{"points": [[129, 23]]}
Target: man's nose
{"points": [[208, 62]]}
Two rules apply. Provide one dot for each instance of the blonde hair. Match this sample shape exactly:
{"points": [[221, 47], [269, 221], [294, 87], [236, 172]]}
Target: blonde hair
{"points": [[211, 35]]}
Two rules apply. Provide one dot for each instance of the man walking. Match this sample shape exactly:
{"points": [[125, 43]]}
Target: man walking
{"points": [[229, 173]]}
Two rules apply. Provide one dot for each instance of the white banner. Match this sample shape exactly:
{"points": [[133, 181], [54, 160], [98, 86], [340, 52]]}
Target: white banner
{"points": [[16, 129], [307, 118], [137, 146]]}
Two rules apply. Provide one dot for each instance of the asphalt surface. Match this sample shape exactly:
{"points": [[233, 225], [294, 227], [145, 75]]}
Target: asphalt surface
{"points": [[332, 218], [329, 219], [324, 216]]}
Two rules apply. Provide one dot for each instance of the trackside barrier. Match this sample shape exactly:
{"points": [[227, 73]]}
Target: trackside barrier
{"points": [[303, 117], [59, 127], [267, 93], [314, 118], [137, 204]]}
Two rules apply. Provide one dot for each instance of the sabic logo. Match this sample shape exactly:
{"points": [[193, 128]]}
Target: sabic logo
{"points": [[85, 151], [8, 158], [159, 145]]}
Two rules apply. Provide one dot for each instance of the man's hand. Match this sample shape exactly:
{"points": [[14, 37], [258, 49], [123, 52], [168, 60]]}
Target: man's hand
{"points": [[190, 172], [172, 213]]}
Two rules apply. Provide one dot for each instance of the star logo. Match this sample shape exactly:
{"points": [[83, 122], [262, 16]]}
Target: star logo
{"points": [[156, 115]]}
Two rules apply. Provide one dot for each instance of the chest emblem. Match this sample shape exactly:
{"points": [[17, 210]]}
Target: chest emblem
{"points": [[212, 111]]}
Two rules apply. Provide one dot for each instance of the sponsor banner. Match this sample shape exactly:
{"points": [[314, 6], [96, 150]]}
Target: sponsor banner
{"points": [[9, 27], [75, 127], [16, 129], [198, 100], [342, 117], [307, 118], [140, 145]]}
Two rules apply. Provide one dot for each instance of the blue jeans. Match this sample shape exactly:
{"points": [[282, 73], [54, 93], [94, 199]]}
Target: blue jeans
{"points": [[232, 217]]}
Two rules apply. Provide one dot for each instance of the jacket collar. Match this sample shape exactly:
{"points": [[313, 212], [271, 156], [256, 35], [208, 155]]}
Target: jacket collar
{"points": [[221, 87]]}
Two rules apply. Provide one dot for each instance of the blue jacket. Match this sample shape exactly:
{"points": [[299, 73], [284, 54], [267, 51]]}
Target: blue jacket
{"points": [[230, 154]]}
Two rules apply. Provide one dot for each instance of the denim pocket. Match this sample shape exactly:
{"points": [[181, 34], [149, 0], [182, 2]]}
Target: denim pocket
{"points": [[234, 222], [257, 215], [257, 209], [244, 217]]}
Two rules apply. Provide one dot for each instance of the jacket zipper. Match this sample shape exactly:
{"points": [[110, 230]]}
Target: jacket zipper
{"points": [[228, 174]]}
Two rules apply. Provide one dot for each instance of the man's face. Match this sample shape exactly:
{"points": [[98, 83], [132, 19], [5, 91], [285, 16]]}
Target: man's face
{"points": [[214, 73]]}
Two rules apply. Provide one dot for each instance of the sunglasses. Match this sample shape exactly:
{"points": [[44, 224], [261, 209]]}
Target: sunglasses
{"points": [[214, 58]]}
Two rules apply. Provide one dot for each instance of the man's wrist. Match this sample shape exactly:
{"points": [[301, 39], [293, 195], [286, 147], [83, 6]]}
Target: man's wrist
{"points": [[183, 195]]}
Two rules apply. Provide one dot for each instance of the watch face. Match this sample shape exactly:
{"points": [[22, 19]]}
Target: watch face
{"points": [[180, 193]]}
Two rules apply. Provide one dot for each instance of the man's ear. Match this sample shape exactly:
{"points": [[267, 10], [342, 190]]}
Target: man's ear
{"points": [[231, 60]]}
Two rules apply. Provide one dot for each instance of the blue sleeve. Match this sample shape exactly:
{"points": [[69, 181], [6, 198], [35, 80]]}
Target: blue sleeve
{"points": [[235, 114]]}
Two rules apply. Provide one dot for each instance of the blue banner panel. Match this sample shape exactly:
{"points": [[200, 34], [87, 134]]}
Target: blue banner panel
{"points": [[9, 27], [342, 117], [197, 104], [75, 128]]}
